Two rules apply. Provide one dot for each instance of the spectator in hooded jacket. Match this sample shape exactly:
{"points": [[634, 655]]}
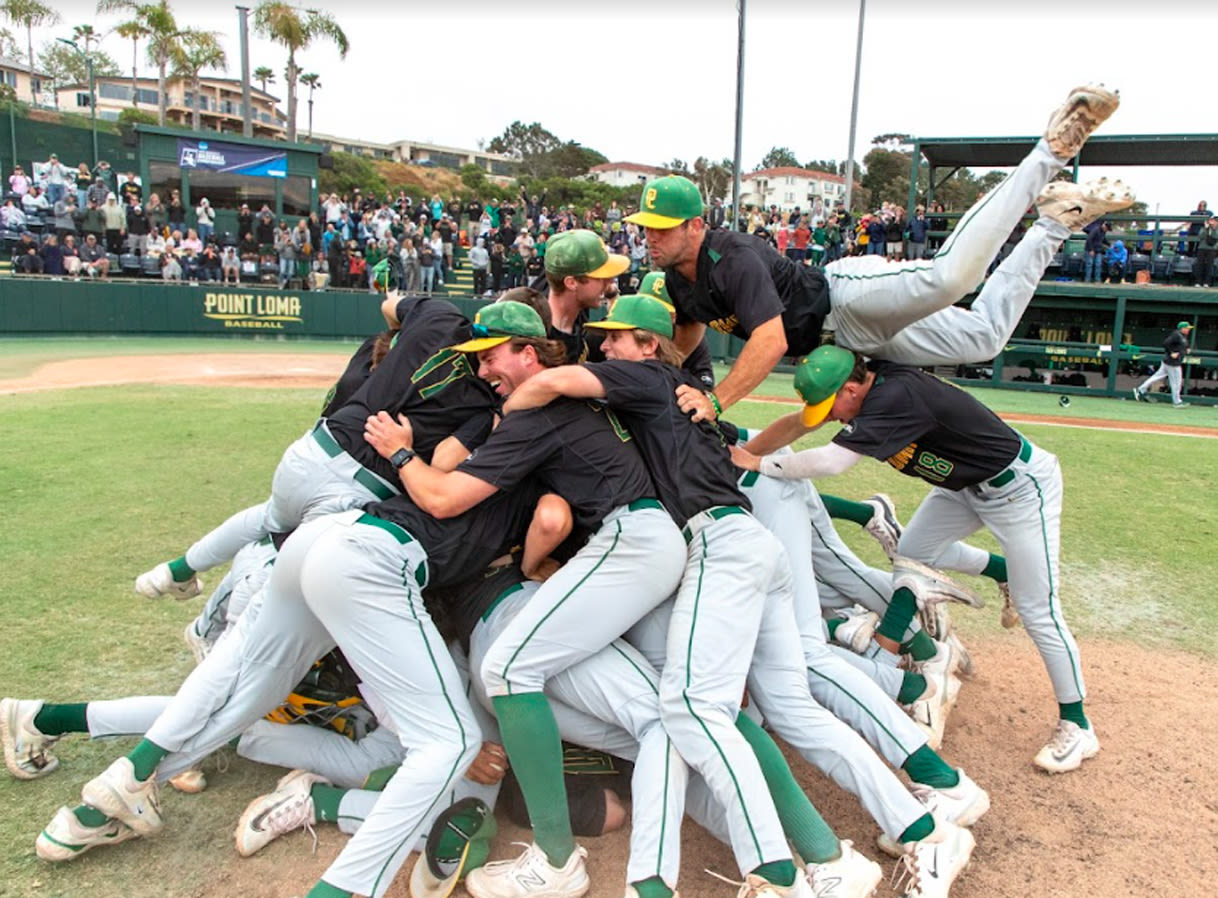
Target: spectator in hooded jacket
{"points": [[1118, 258]]}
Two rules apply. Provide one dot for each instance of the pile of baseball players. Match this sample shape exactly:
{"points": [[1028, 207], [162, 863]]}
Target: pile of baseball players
{"points": [[536, 528]]}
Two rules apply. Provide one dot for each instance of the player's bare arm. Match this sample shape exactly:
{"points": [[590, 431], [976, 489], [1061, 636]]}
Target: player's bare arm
{"points": [[389, 308], [573, 381], [552, 523], [763, 350], [450, 453], [782, 432]]}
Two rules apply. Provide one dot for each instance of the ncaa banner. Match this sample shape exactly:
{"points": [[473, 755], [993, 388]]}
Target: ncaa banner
{"points": [[218, 156]]}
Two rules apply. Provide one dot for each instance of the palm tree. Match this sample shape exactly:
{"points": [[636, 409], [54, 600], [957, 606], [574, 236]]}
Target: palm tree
{"points": [[86, 35], [135, 31], [296, 29], [162, 32], [313, 81], [264, 75], [198, 50], [29, 13]]}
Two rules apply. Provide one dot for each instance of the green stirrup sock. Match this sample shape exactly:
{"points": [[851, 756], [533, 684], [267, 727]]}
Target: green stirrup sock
{"points": [[780, 873], [901, 611], [323, 889], [55, 720], [926, 767], [846, 510], [89, 816], [652, 887], [1074, 713], [832, 624], [912, 687], [144, 758], [325, 802], [920, 646], [996, 569], [379, 778], [181, 570], [918, 830], [812, 837], [531, 740]]}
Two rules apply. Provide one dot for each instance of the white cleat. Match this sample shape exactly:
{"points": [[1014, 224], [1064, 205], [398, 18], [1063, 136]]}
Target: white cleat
{"points": [[159, 582], [856, 629], [530, 875], [26, 750], [850, 876], [199, 647], [1069, 747], [884, 525], [963, 804], [1075, 120], [930, 585], [1077, 205], [118, 794], [270, 816], [66, 838], [932, 865]]}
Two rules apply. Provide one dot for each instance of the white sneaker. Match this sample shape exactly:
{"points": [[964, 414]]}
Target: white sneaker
{"points": [[884, 525], [118, 794], [1077, 205], [944, 664], [755, 886], [932, 865], [929, 713], [1069, 747], [270, 816], [850, 876], [66, 838], [199, 647], [1074, 121], [1010, 615], [963, 804], [159, 582], [856, 629], [530, 875], [930, 585], [26, 753]]}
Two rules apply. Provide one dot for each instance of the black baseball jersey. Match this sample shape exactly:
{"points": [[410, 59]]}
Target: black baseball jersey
{"points": [[743, 282], [576, 449], [464, 603], [689, 463], [357, 371], [1174, 349], [925, 427], [421, 377], [584, 345]]}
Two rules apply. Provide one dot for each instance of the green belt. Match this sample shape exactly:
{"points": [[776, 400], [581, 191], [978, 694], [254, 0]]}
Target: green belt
{"points": [[1025, 453], [514, 588], [363, 476], [400, 534], [719, 511], [640, 504]]}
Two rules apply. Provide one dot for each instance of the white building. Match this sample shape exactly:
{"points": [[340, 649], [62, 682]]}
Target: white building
{"points": [[788, 187], [624, 174], [428, 155]]}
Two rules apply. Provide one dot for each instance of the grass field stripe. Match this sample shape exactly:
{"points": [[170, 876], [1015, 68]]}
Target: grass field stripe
{"points": [[689, 650], [861, 706], [1054, 609], [570, 592]]}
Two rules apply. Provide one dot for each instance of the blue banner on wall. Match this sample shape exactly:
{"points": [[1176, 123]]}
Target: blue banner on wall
{"points": [[218, 156]]}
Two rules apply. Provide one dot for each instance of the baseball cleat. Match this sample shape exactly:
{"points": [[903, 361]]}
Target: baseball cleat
{"points": [[1074, 121], [199, 647], [856, 629], [159, 582], [118, 794], [1010, 615], [1138, 395], [1069, 747], [66, 838], [1077, 205], [192, 781], [530, 874], [850, 876], [930, 585], [965, 666], [26, 750], [943, 665], [270, 816], [884, 525], [935, 619], [468, 826], [963, 804], [932, 865], [929, 712]]}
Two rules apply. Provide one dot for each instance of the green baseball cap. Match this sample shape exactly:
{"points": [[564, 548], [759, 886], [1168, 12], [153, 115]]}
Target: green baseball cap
{"points": [[1184, 325], [582, 254], [499, 322], [380, 275], [653, 286], [667, 202], [637, 310], [818, 378]]}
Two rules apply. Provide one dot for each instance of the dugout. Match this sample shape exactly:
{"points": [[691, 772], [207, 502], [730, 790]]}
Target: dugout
{"points": [[1096, 339]]}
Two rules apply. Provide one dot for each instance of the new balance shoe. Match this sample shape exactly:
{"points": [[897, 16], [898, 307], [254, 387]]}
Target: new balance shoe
{"points": [[458, 842], [26, 751], [199, 647], [963, 804], [1075, 120], [270, 816], [118, 794], [930, 585], [66, 838], [1077, 205], [1070, 746], [530, 875], [755, 886], [884, 525], [1010, 615], [932, 865], [856, 629], [159, 582], [850, 876]]}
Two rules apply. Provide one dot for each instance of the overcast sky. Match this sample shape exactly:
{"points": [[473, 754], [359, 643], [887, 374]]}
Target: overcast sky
{"points": [[650, 81]]}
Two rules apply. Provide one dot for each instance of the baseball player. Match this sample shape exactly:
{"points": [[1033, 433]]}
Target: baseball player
{"points": [[629, 564], [984, 475], [743, 287], [1174, 348]]}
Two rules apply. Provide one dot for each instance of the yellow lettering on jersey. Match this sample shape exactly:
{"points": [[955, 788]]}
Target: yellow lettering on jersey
{"points": [[901, 460], [726, 325]]}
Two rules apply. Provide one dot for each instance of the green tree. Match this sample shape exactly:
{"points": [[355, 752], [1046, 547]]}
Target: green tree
{"points": [[887, 176], [542, 154], [264, 75], [163, 35], [196, 51], [8, 44], [68, 66], [714, 179], [523, 141], [296, 29], [349, 172], [134, 32], [29, 13], [678, 167], [778, 157], [312, 81], [829, 166]]}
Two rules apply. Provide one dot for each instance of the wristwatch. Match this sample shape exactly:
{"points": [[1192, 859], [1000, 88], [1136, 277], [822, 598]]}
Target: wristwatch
{"points": [[401, 457]]}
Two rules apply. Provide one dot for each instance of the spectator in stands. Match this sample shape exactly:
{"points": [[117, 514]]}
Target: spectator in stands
{"points": [[12, 218], [26, 256], [919, 227], [535, 268], [333, 208], [98, 192], [84, 180], [447, 228], [1096, 234], [93, 221], [93, 259], [411, 272], [155, 245], [1200, 215], [18, 183], [65, 216], [498, 259], [209, 262], [137, 230], [191, 241], [248, 248], [56, 180], [480, 264], [285, 249], [157, 214], [35, 204], [894, 234], [70, 253], [131, 191], [175, 213], [52, 256], [877, 230], [834, 239], [357, 268], [230, 265], [116, 224], [1207, 249], [437, 254], [314, 228], [319, 273], [106, 174], [515, 267], [1117, 258], [205, 219], [245, 220], [264, 228], [171, 269]]}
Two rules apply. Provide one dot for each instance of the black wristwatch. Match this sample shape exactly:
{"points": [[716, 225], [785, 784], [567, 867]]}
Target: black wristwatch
{"points": [[401, 457]]}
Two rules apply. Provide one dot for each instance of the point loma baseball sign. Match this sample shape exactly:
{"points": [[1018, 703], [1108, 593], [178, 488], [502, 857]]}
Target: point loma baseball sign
{"points": [[253, 311]]}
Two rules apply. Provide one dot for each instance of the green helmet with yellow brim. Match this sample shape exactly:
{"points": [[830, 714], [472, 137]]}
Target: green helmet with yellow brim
{"points": [[667, 203], [637, 311], [582, 254], [818, 378], [500, 322]]}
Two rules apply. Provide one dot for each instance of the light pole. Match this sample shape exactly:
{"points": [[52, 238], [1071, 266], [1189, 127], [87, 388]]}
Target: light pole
{"points": [[92, 91]]}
